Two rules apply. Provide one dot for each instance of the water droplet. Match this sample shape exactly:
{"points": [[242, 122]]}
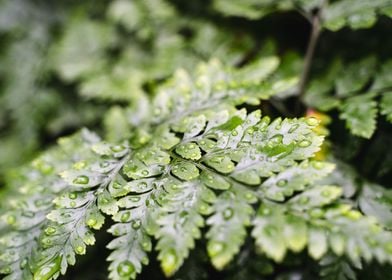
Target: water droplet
{"points": [[81, 180], [46, 242], [72, 204], [265, 211], [250, 196], [50, 230], [136, 224], [214, 248], [318, 164], [169, 262], [91, 222], [117, 148], [276, 140], [47, 271], [143, 185], [23, 263], [228, 213], [145, 172], [234, 133], [282, 183], [117, 185], [79, 165], [104, 164], [293, 128], [146, 245], [250, 131], [134, 198], [81, 250], [316, 213], [304, 200], [304, 143], [312, 121], [125, 216], [72, 195], [11, 219], [326, 193]]}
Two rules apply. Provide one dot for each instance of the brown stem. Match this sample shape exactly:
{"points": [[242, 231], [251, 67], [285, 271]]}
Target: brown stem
{"points": [[314, 36]]}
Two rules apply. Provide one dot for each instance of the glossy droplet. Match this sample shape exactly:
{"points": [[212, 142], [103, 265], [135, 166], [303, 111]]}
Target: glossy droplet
{"points": [[46, 241], [104, 164], [136, 224], [265, 211], [316, 213], [72, 204], [304, 143], [228, 213], [304, 200], [72, 195], [81, 180], [124, 217], [11, 219], [91, 222], [146, 245], [234, 133], [79, 165], [23, 263], [145, 172], [50, 230], [81, 250], [276, 140], [134, 198], [312, 121], [143, 185], [117, 148], [117, 185], [293, 128], [169, 262], [214, 248], [281, 183], [326, 193], [318, 164]]}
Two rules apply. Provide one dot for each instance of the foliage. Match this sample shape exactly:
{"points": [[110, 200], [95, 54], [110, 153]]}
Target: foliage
{"points": [[226, 151]]}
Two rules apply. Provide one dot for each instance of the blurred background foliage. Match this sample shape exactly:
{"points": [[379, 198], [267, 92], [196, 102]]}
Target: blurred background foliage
{"points": [[69, 64]]}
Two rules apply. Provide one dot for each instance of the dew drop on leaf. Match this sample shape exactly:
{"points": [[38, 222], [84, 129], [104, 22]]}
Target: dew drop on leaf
{"points": [[117, 148], [136, 224], [293, 128], [91, 222], [50, 230], [312, 121], [72, 195], [125, 269], [214, 248], [11, 219], [81, 180], [169, 262], [281, 183], [228, 213], [304, 143], [124, 217], [304, 200]]}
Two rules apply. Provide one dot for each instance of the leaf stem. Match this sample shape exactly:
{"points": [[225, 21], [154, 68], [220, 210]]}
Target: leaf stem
{"points": [[314, 36]]}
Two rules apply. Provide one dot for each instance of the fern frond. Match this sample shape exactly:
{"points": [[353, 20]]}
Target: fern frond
{"points": [[24, 218]]}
